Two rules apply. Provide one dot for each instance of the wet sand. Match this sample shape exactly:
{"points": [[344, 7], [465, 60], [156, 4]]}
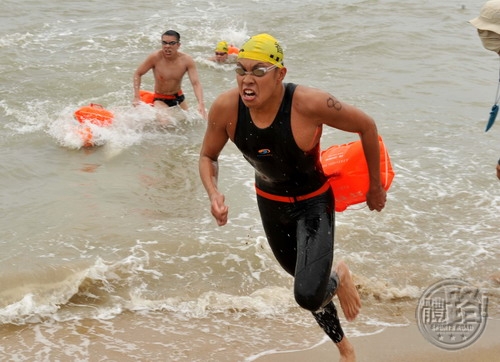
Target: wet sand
{"points": [[401, 344]]}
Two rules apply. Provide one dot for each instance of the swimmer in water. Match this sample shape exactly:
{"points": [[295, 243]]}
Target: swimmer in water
{"points": [[224, 53]]}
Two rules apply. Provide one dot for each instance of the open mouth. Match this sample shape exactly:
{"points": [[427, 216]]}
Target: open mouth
{"points": [[248, 94]]}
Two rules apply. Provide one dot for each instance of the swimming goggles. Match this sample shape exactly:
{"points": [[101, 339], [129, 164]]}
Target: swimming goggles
{"points": [[172, 43], [258, 72]]}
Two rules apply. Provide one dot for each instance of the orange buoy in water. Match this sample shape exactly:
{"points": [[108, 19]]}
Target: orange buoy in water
{"points": [[147, 96], [232, 50], [95, 114], [347, 171]]}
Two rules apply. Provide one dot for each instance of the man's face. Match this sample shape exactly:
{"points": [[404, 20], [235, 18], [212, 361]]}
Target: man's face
{"points": [[220, 57], [257, 81], [169, 45]]}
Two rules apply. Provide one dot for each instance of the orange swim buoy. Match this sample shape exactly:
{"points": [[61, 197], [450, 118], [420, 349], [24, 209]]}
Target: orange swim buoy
{"points": [[147, 96], [347, 171], [95, 114], [232, 50]]}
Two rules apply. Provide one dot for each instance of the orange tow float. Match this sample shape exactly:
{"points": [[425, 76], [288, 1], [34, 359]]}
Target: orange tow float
{"points": [[147, 96], [94, 114], [346, 169], [97, 115], [232, 50]]}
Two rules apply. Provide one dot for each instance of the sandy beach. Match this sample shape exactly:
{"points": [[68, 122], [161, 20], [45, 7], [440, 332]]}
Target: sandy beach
{"points": [[401, 344]]}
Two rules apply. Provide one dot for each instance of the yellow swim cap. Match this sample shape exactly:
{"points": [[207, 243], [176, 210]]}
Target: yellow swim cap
{"points": [[221, 47], [263, 47]]}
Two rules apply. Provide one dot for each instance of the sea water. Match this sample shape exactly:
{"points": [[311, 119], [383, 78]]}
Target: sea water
{"points": [[110, 253]]}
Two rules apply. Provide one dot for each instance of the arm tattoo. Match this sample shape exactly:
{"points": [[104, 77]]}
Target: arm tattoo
{"points": [[331, 102]]}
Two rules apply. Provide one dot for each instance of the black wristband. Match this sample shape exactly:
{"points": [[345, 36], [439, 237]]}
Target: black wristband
{"points": [[499, 162]]}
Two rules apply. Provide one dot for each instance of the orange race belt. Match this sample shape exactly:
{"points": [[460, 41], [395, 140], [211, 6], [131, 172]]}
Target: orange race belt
{"points": [[168, 96], [291, 199]]}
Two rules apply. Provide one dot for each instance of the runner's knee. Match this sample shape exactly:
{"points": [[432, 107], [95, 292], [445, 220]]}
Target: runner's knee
{"points": [[307, 299]]}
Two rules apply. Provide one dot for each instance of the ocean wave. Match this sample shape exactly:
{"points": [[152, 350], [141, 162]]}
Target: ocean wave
{"points": [[104, 290]]}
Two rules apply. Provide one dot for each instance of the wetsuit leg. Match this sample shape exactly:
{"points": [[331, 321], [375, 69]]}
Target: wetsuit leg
{"points": [[314, 254], [328, 320], [281, 231], [301, 238]]}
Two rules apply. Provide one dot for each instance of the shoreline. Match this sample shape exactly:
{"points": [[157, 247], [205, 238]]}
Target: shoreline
{"points": [[396, 344]]}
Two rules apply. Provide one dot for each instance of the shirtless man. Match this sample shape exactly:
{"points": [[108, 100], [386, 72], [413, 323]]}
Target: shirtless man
{"points": [[278, 126], [169, 66]]}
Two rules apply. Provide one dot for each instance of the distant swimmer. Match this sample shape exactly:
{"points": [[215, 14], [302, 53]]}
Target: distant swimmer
{"points": [[169, 66], [225, 53], [488, 29]]}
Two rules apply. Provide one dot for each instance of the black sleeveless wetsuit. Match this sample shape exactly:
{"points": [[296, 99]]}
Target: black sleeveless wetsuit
{"points": [[300, 233], [281, 167]]}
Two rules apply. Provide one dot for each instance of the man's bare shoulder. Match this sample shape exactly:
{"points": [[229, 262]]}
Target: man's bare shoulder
{"points": [[226, 104], [185, 58], [307, 91], [228, 98], [223, 113], [314, 106], [154, 57], [308, 98]]}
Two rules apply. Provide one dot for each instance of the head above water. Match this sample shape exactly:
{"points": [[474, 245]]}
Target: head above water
{"points": [[263, 47], [222, 47]]}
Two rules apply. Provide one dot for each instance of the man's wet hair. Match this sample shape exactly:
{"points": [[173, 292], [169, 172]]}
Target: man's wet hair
{"points": [[173, 33]]}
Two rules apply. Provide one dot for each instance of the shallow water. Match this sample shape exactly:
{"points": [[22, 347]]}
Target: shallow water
{"points": [[111, 252]]}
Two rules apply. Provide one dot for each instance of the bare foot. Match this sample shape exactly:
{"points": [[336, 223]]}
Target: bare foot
{"points": [[347, 292], [346, 350]]}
